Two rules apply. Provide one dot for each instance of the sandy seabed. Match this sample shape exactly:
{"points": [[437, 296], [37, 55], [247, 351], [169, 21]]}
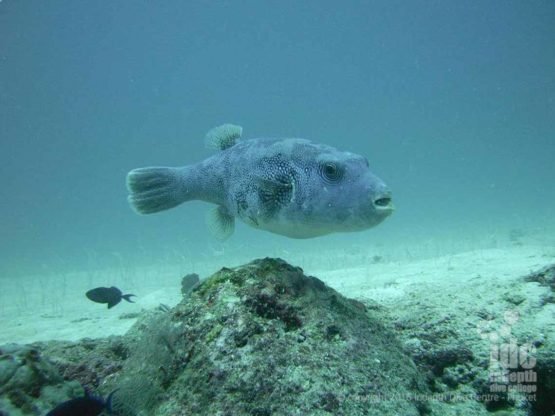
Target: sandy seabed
{"points": [[54, 307]]}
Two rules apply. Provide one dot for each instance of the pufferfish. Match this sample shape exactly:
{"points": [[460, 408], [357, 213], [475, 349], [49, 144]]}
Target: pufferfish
{"points": [[292, 186]]}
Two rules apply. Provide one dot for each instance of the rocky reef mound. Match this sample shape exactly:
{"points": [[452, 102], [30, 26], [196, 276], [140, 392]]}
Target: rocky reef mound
{"points": [[264, 339]]}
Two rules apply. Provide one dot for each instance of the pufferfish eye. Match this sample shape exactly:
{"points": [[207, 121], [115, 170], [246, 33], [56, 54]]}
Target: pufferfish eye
{"points": [[331, 172]]}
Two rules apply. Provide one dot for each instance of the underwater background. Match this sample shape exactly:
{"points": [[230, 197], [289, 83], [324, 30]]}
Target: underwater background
{"points": [[452, 102]]}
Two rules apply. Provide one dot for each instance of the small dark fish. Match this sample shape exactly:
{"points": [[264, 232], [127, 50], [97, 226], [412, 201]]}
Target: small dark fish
{"points": [[110, 295], [188, 282], [84, 406]]}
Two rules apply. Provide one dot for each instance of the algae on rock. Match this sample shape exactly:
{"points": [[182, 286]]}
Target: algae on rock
{"points": [[264, 339]]}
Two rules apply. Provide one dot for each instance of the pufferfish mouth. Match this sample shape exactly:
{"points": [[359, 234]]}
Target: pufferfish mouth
{"points": [[384, 203]]}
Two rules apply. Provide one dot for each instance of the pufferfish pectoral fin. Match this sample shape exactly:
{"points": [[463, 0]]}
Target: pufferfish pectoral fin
{"points": [[220, 223], [275, 193], [223, 137]]}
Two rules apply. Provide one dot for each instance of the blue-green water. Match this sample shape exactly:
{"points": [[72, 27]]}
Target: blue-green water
{"points": [[452, 102]]}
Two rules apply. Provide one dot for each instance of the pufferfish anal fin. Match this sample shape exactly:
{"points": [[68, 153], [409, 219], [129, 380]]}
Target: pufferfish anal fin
{"points": [[223, 137], [220, 223]]}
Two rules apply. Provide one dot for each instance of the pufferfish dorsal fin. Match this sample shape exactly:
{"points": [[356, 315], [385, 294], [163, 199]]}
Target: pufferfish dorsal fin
{"points": [[223, 137]]}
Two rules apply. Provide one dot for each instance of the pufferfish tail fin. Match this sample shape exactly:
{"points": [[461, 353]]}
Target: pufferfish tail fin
{"points": [[156, 189], [223, 137]]}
